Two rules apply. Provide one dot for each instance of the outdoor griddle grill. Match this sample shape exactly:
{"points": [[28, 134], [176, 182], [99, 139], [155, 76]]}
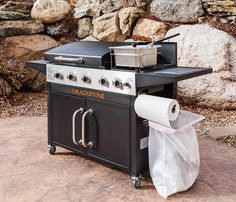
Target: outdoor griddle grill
{"points": [[91, 101]]}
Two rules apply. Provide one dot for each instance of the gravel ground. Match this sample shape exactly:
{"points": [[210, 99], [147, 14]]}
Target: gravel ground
{"points": [[213, 119], [229, 140], [24, 104], [35, 104]]}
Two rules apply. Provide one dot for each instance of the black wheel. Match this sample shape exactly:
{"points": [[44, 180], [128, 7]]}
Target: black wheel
{"points": [[136, 182], [51, 149]]}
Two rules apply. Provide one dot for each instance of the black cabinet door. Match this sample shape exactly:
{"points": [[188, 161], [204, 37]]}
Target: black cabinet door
{"points": [[108, 128], [61, 111]]}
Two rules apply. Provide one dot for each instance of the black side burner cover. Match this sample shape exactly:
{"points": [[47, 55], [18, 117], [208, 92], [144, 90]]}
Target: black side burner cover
{"points": [[94, 54]]}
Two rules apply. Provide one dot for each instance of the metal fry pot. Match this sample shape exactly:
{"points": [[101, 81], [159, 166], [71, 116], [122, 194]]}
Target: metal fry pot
{"points": [[135, 56]]}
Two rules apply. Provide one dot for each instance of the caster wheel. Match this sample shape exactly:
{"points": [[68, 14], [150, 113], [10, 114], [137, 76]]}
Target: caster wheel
{"points": [[51, 149], [136, 182]]}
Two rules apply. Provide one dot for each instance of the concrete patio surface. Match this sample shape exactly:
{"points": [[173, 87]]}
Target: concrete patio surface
{"points": [[29, 173]]}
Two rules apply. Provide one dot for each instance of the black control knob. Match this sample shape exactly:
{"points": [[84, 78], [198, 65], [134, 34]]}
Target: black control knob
{"points": [[126, 84], [72, 77], [58, 75], [103, 81], [86, 79], [117, 83]]}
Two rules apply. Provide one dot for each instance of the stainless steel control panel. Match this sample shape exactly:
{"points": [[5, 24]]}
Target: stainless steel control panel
{"points": [[98, 79]]}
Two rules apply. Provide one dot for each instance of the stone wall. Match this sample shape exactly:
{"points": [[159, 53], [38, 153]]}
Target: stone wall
{"points": [[207, 28]]}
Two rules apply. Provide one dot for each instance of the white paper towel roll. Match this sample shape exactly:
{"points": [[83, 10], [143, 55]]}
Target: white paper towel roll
{"points": [[157, 109]]}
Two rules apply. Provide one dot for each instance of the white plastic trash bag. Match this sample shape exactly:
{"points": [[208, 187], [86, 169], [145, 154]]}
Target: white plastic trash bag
{"points": [[174, 155]]}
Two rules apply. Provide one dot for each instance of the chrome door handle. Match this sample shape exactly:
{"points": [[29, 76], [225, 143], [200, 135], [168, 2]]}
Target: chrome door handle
{"points": [[73, 125], [64, 59], [82, 141]]}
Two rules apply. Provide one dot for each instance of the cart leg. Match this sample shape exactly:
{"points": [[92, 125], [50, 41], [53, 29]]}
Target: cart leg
{"points": [[136, 181], [51, 148]]}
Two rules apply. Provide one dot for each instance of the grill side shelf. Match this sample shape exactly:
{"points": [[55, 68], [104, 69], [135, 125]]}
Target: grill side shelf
{"points": [[169, 75], [39, 65]]}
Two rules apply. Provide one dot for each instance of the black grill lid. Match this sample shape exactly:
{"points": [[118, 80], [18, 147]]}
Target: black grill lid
{"points": [[84, 53]]}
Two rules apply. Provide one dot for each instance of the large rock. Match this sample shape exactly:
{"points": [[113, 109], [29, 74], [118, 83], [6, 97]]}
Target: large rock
{"points": [[204, 46], [127, 19], [11, 15], [112, 5], [50, 11], [205, 3], [149, 30], [5, 88], [89, 38], [85, 27], [12, 28], [15, 52], [141, 3], [73, 2], [106, 28], [87, 8], [184, 11], [22, 47], [58, 29], [21, 7], [138, 3]]}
